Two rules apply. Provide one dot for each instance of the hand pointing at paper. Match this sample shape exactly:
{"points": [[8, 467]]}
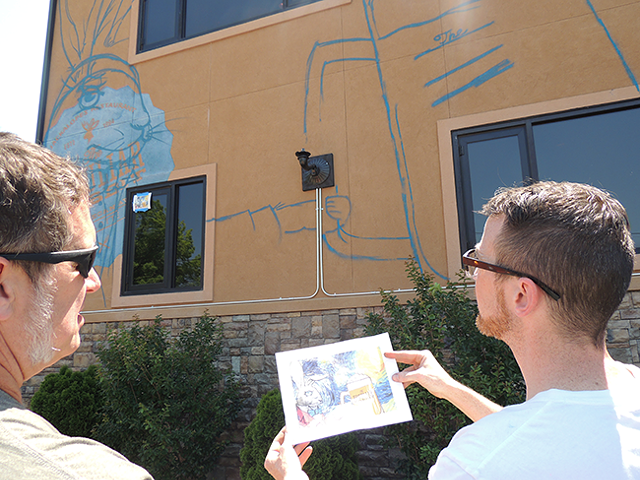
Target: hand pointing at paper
{"points": [[425, 370]]}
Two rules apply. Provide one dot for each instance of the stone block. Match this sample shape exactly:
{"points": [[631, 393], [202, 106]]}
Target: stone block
{"points": [[270, 365], [617, 335], [256, 333], [331, 326], [256, 363], [271, 343], [235, 364], [301, 327], [83, 360], [627, 302], [348, 321], [630, 314], [621, 354]]}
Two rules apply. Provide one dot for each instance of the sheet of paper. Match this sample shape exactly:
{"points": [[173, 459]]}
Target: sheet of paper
{"points": [[332, 389]]}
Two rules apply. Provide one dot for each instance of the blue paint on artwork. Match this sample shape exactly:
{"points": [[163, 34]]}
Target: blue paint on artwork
{"points": [[458, 9], [615, 46], [464, 65], [374, 39], [117, 133], [449, 37], [501, 67]]}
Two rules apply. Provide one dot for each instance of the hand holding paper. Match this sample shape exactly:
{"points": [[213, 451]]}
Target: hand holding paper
{"points": [[285, 461]]}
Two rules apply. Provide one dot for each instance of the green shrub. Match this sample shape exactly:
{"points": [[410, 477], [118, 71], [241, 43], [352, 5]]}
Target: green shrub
{"points": [[332, 458], [70, 400], [167, 403], [443, 320]]}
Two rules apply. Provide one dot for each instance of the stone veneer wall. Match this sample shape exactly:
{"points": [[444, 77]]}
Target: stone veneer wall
{"points": [[252, 340]]}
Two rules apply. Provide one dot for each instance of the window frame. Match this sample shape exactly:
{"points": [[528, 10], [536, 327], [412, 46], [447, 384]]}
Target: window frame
{"points": [[180, 23], [113, 276], [134, 56], [460, 138], [167, 286]]}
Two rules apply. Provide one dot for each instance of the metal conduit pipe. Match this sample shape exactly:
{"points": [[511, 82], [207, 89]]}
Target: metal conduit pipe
{"points": [[319, 280]]}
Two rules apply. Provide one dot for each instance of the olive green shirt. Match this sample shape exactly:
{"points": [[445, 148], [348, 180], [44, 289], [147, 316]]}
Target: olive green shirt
{"points": [[31, 449]]}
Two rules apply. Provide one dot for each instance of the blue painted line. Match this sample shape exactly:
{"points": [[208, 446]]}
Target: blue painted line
{"points": [[494, 71], [316, 46], [303, 229], [615, 46], [458, 9], [470, 62], [450, 39], [359, 257]]}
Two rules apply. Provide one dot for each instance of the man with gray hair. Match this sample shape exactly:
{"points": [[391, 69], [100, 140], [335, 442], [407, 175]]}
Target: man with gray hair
{"points": [[554, 262], [47, 250]]}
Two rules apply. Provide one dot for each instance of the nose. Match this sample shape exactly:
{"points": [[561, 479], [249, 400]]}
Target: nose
{"points": [[93, 282]]}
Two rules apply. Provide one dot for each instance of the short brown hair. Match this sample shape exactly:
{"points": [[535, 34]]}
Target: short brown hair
{"points": [[576, 239], [38, 192]]}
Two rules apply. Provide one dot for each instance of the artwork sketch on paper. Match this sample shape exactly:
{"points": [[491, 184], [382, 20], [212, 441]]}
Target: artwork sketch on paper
{"points": [[340, 387]]}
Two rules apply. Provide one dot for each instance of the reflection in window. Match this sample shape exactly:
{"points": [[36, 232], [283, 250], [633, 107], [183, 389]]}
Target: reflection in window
{"points": [[597, 146], [150, 243], [163, 22], [164, 240]]}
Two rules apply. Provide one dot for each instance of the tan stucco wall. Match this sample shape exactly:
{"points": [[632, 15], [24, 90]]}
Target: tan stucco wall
{"points": [[348, 80]]}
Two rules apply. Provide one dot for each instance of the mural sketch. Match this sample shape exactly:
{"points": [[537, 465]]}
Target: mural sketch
{"points": [[375, 41], [101, 116], [344, 384], [115, 131], [336, 388]]}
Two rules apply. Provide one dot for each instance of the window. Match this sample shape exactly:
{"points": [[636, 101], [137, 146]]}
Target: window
{"points": [[163, 22], [164, 237], [594, 145]]}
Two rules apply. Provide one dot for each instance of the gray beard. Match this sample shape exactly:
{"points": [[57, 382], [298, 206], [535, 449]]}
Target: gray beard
{"points": [[39, 325]]}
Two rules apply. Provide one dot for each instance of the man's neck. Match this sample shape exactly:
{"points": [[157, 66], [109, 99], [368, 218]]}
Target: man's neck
{"points": [[553, 363], [11, 376]]}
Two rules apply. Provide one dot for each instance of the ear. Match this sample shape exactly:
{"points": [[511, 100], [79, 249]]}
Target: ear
{"points": [[7, 291], [527, 297]]}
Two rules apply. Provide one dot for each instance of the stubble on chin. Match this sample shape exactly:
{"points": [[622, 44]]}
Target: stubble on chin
{"points": [[498, 324]]}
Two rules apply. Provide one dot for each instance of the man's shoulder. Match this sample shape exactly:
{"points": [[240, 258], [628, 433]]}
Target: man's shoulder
{"points": [[531, 436], [34, 448]]}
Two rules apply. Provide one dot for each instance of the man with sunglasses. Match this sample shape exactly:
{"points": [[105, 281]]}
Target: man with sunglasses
{"points": [[47, 250], [553, 265]]}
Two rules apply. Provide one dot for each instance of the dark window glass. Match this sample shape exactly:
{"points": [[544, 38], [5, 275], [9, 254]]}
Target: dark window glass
{"points": [[164, 238], [189, 235], [595, 146], [163, 22], [600, 150], [160, 21], [491, 165], [205, 16], [150, 243]]}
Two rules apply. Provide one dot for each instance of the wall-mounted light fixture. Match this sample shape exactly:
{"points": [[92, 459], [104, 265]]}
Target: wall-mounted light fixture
{"points": [[317, 172]]}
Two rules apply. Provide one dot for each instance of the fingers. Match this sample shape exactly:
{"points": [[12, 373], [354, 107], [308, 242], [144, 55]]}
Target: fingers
{"points": [[299, 448], [304, 455], [279, 439], [407, 356]]}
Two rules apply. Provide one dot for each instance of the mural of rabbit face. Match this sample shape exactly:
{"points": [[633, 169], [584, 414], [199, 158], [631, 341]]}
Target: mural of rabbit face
{"points": [[102, 118]]}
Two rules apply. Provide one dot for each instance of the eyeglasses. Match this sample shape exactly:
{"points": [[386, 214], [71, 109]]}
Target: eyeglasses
{"points": [[470, 262], [82, 258]]}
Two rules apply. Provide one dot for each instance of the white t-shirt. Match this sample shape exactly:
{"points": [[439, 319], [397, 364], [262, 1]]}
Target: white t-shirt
{"points": [[557, 434]]}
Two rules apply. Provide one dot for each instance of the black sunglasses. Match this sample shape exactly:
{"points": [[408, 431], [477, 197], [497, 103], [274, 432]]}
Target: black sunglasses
{"points": [[469, 260], [82, 258]]}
